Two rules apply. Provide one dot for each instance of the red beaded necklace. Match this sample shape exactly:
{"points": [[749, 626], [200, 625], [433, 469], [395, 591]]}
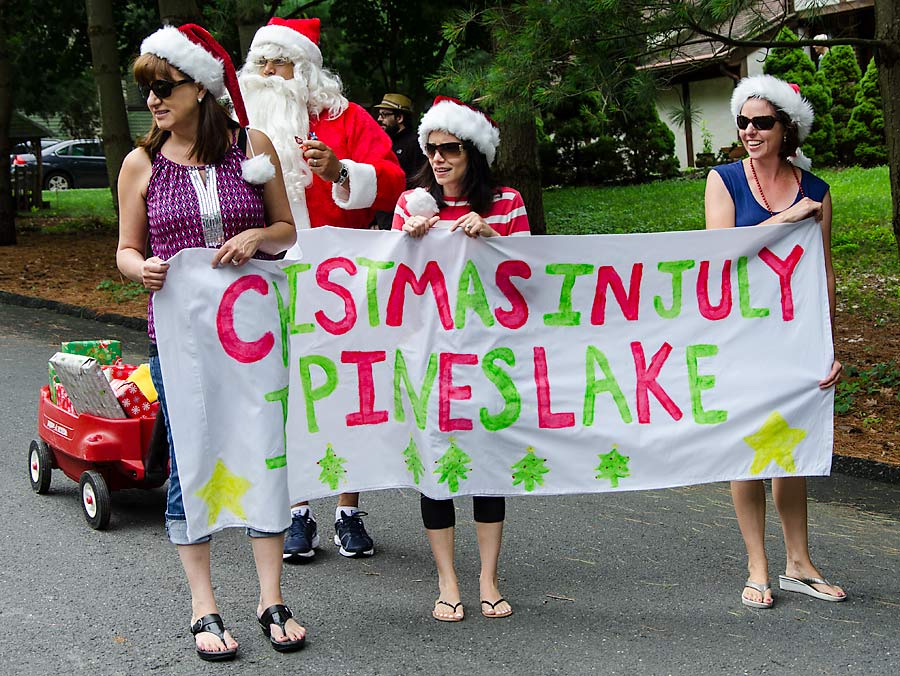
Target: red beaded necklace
{"points": [[763, 195]]}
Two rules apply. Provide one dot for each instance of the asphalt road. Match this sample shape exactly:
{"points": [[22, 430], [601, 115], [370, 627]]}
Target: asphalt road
{"points": [[633, 583]]}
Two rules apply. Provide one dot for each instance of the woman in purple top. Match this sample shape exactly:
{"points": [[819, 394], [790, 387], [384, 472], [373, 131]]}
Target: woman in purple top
{"points": [[189, 184], [773, 186]]}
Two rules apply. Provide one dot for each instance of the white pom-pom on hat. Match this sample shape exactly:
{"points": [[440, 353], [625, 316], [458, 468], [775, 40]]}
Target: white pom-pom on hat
{"points": [[421, 203], [258, 169], [784, 96]]}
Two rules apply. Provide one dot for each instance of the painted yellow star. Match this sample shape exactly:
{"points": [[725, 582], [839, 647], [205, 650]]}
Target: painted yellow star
{"points": [[774, 441], [224, 490]]}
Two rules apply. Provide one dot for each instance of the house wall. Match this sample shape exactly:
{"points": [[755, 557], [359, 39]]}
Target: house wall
{"points": [[713, 97]]}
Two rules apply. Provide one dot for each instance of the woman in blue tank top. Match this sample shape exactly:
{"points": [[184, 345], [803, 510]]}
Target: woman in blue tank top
{"points": [[773, 186]]}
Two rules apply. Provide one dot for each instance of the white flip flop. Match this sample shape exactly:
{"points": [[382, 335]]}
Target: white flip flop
{"points": [[762, 589], [805, 586]]}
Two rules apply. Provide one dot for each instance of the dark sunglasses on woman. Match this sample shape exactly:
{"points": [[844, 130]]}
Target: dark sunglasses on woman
{"points": [[447, 150], [162, 88], [762, 122]]}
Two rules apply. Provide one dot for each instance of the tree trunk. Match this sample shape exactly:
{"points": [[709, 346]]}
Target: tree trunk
{"points": [[7, 207], [887, 28], [517, 166], [117, 142], [178, 12], [688, 123], [250, 15]]}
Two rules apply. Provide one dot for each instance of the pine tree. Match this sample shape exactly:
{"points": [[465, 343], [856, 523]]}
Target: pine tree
{"points": [[613, 467], [842, 75], [453, 466], [866, 127], [413, 460], [793, 65], [332, 468], [529, 470]]}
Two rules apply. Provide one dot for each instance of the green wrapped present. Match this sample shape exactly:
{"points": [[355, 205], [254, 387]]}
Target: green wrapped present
{"points": [[104, 351], [52, 378]]}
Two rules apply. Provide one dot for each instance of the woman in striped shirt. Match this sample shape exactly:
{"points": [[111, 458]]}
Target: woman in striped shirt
{"points": [[457, 192], [460, 143]]}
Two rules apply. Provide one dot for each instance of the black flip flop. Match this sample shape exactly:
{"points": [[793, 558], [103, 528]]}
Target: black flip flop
{"points": [[279, 614], [213, 624], [494, 606], [451, 606]]}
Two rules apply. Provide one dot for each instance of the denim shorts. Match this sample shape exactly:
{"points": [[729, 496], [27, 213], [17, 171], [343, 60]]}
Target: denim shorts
{"points": [[176, 521]]}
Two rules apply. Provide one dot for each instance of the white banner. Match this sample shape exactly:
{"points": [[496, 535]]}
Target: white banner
{"points": [[224, 365], [541, 365]]}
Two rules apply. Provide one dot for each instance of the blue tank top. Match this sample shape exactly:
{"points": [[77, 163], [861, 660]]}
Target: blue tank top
{"points": [[747, 211]]}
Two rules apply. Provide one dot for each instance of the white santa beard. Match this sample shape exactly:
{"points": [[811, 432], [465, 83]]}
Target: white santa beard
{"points": [[277, 107]]}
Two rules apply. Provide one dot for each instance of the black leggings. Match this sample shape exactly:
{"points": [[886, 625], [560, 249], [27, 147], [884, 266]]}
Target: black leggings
{"points": [[437, 514]]}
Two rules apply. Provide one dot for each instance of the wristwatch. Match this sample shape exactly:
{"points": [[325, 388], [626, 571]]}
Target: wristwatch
{"points": [[343, 175]]}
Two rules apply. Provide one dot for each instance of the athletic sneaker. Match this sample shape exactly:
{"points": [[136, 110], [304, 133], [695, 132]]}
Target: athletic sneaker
{"points": [[302, 537], [351, 536]]}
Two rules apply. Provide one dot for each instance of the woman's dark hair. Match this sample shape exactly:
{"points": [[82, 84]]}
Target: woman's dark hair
{"points": [[478, 185], [791, 139], [214, 131]]}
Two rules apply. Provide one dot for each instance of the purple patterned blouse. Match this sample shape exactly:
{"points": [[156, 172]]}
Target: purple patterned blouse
{"points": [[183, 212]]}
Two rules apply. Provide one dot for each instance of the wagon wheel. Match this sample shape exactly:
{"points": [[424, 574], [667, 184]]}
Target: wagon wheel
{"points": [[40, 466], [95, 499]]}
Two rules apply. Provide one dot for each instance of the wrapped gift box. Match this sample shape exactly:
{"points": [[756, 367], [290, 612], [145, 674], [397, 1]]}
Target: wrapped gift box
{"points": [[132, 400], [141, 378], [86, 385], [118, 370], [53, 380], [104, 351], [60, 397]]}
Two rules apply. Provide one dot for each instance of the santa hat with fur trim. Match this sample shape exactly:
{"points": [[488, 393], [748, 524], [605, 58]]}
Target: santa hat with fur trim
{"points": [[463, 121], [297, 39], [784, 96], [193, 51]]}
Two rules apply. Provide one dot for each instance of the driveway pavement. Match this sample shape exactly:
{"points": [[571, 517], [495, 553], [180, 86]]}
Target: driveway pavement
{"points": [[633, 583]]}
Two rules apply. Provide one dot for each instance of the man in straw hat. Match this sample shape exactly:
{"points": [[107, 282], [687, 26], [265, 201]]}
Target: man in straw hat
{"points": [[338, 166], [396, 118]]}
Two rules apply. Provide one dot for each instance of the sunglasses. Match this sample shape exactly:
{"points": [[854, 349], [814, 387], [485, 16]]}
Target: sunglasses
{"points": [[762, 122], [447, 150], [261, 63], [162, 88]]}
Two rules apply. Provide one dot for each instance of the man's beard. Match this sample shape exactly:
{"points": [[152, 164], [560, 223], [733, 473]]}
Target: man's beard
{"points": [[277, 107]]}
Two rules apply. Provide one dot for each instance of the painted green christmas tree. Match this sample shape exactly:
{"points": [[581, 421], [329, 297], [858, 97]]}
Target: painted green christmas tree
{"points": [[452, 466], [529, 470], [332, 468], [414, 460], [613, 466]]}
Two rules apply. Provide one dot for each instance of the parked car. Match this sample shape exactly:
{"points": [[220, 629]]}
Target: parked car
{"points": [[78, 163], [25, 148]]}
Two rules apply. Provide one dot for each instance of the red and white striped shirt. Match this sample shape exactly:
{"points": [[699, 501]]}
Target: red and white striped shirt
{"points": [[507, 213]]}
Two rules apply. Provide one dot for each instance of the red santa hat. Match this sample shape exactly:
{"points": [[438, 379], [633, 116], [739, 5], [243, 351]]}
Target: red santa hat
{"points": [[297, 39], [783, 95], [463, 121], [193, 51]]}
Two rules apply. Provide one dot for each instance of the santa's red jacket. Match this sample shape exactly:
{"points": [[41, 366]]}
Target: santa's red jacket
{"points": [[376, 179]]}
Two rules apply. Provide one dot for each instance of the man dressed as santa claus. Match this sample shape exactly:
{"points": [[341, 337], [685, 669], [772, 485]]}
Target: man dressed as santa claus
{"points": [[339, 170]]}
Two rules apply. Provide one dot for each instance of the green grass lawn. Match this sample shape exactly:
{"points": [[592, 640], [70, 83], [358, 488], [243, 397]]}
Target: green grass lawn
{"points": [[864, 251], [94, 203], [865, 254]]}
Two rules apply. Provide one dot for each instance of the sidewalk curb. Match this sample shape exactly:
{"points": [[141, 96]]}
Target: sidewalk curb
{"points": [[865, 469], [73, 310], [858, 467]]}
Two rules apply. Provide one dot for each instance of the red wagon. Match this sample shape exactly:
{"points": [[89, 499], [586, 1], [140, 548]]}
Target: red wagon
{"points": [[101, 454]]}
